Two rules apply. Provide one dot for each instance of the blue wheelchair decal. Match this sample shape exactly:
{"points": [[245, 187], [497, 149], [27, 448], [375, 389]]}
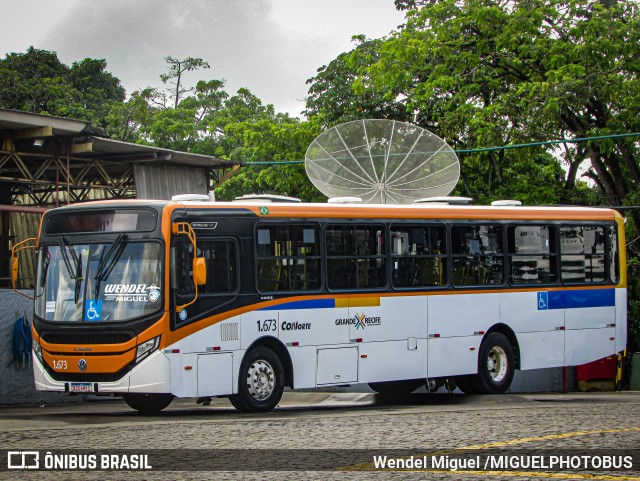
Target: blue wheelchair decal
{"points": [[543, 301], [93, 311]]}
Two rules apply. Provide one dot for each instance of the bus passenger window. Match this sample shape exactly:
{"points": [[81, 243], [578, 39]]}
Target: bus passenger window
{"points": [[614, 266], [222, 272], [532, 254], [477, 254], [355, 256], [181, 265], [287, 257], [418, 255], [583, 256]]}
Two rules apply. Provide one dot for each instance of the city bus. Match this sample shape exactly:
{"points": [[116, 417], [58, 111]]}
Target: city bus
{"points": [[152, 300]]}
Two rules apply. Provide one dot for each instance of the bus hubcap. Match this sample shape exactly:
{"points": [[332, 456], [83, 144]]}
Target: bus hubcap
{"points": [[497, 363], [261, 380]]}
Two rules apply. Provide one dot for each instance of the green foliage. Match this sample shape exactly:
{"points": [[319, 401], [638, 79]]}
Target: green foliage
{"points": [[486, 73], [36, 81], [267, 140], [177, 68], [334, 97], [207, 120]]}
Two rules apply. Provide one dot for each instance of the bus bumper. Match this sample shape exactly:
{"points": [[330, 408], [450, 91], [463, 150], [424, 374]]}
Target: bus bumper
{"points": [[153, 375]]}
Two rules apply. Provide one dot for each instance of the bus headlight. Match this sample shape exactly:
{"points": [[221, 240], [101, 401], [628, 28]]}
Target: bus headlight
{"points": [[146, 348], [37, 350]]}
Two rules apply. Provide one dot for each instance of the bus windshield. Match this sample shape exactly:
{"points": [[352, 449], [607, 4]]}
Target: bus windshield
{"points": [[98, 282]]}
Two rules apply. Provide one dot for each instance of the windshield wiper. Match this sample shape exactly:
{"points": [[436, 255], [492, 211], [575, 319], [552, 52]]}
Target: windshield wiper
{"points": [[45, 268], [77, 275], [108, 262]]}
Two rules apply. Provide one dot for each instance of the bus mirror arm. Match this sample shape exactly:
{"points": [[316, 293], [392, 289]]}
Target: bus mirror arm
{"points": [[30, 243], [199, 267]]}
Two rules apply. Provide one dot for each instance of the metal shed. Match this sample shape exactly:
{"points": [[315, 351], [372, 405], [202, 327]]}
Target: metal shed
{"points": [[49, 161]]}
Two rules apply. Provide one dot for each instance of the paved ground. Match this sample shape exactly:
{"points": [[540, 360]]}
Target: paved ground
{"points": [[341, 423]]}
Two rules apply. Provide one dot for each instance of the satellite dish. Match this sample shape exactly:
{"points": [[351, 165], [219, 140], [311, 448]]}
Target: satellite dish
{"points": [[382, 162]]}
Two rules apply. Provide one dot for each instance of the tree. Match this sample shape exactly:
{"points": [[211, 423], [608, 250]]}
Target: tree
{"points": [[36, 81], [276, 139], [490, 73], [207, 120], [176, 70], [332, 96]]}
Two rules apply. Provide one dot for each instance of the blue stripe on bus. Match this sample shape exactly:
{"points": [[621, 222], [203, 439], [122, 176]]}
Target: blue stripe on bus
{"points": [[581, 299], [306, 304]]}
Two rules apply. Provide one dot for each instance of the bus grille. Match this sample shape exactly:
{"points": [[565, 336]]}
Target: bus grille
{"points": [[86, 377], [86, 338]]}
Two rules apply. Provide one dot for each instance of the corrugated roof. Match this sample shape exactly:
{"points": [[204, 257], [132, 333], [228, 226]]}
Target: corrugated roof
{"points": [[81, 131]]}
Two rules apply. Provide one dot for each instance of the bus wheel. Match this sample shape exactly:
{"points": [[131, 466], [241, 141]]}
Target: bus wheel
{"points": [[148, 403], [496, 365], [390, 388], [260, 383]]}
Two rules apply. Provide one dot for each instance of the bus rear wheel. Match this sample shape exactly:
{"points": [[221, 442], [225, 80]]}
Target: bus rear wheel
{"points": [[260, 382], [148, 403], [496, 365]]}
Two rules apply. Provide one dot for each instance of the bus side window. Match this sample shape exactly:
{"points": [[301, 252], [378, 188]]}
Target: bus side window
{"points": [[181, 264], [477, 254], [418, 255], [614, 266], [532, 254], [287, 257], [582, 251], [356, 255], [222, 270]]}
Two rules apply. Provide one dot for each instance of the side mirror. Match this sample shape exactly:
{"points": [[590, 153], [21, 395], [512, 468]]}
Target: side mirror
{"points": [[199, 267], [30, 243], [199, 271], [14, 272]]}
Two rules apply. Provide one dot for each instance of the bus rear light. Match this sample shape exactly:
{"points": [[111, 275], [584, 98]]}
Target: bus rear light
{"points": [[478, 333], [358, 339], [172, 351], [293, 344], [472, 348], [147, 347], [363, 356], [434, 336], [188, 368]]}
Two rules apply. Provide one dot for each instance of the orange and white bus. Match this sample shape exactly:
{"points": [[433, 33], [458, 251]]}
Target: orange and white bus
{"points": [[153, 300]]}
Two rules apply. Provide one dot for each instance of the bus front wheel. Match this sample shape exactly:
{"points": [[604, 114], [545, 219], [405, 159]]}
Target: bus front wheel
{"points": [[496, 365], [148, 403], [260, 382]]}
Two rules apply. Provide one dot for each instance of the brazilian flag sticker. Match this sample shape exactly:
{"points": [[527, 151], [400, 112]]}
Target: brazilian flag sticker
{"points": [[264, 210]]}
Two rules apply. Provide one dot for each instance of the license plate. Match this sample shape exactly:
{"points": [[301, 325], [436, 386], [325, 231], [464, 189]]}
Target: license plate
{"points": [[81, 387]]}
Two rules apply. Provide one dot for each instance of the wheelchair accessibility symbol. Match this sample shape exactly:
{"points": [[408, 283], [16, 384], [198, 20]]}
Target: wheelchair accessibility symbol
{"points": [[93, 311], [543, 301]]}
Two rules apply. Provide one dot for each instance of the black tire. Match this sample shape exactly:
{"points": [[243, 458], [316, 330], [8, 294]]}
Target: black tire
{"points": [[466, 383], [496, 365], [260, 381], [391, 388], [148, 403]]}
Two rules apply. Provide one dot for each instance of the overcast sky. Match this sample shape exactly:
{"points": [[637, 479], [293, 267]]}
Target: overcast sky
{"points": [[269, 46]]}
